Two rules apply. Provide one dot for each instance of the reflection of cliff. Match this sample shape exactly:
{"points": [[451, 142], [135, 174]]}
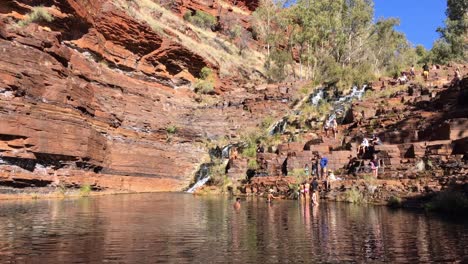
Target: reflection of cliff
{"points": [[93, 93], [182, 228]]}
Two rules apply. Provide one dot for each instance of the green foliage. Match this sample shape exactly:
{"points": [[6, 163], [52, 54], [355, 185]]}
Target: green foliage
{"points": [[276, 65], [271, 140], [441, 52], [267, 122], [353, 195], [250, 151], [454, 44], [85, 190], [38, 13], [369, 178], [337, 41], [423, 54], [234, 32], [205, 85], [297, 172], [394, 201], [200, 18], [449, 202], [252, 164], [206, 73], [171, 129], [218, 175]]}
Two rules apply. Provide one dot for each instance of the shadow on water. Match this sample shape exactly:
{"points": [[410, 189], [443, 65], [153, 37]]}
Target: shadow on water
{"points": [[182, 228]]}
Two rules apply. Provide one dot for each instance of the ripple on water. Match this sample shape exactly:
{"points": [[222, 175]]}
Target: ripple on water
{"points": [[181, 228]]}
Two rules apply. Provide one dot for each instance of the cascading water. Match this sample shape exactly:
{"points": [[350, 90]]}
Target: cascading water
{"points": [[203, 176], [225, 153], [340, 105], [279, 127], [316, 97]]}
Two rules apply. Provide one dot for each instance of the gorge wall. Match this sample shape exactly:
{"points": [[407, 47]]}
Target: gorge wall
{"points": [[99, 96]]}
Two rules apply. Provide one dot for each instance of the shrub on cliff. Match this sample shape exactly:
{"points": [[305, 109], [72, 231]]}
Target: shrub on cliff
{"points": [[38, 13], [205, 85], [250, 151], [353, 195], [200, 18], [171, 129], [85, 190], [253, 164], [218, 173], [394, 202]]}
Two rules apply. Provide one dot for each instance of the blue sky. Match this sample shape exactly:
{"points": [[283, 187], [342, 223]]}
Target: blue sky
{"points": [[419, 19]]}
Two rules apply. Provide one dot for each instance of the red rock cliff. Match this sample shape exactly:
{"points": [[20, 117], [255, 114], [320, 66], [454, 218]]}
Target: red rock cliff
{"points": [[89, 97]]}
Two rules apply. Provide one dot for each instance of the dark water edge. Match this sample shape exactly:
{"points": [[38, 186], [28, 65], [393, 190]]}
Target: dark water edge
{"points": [[182, 228]]}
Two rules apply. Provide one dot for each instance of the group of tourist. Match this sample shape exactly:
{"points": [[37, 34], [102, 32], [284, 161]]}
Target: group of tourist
{"points": [[308, 190], [365, 145], [319, 166]]}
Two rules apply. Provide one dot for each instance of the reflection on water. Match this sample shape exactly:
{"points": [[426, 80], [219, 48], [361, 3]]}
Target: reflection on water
{"points": [[180, 228]]}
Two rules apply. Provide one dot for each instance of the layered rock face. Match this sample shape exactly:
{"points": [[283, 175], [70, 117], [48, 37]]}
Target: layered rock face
{"points": [[98, 97], [421, 144]]}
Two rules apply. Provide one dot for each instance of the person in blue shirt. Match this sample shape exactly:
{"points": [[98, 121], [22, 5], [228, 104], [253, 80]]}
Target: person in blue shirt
{"points": [[323, 167]]}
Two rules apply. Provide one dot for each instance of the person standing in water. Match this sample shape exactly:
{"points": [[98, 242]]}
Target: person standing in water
{"points": [[237, 204], [270, 196]]}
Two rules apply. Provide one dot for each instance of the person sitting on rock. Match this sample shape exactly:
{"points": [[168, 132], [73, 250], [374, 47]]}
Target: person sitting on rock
{"points": [[403, 79], [363, 147], [376, 140], [260, 148], [352, 166]]}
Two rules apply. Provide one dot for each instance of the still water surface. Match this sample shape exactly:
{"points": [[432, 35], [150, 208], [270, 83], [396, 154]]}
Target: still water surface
{"points": [[181, 228]]}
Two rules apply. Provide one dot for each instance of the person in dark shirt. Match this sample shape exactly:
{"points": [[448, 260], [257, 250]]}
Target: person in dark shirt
{"points": [[314, 184], [314, 193], [426, 71]]}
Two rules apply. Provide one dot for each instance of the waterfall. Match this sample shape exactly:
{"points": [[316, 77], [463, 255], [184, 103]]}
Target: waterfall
{"points": [[279, 127], [203, 176], [355, 94], [340, 105], [198, 184], [225, 153], [316, 97]]}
